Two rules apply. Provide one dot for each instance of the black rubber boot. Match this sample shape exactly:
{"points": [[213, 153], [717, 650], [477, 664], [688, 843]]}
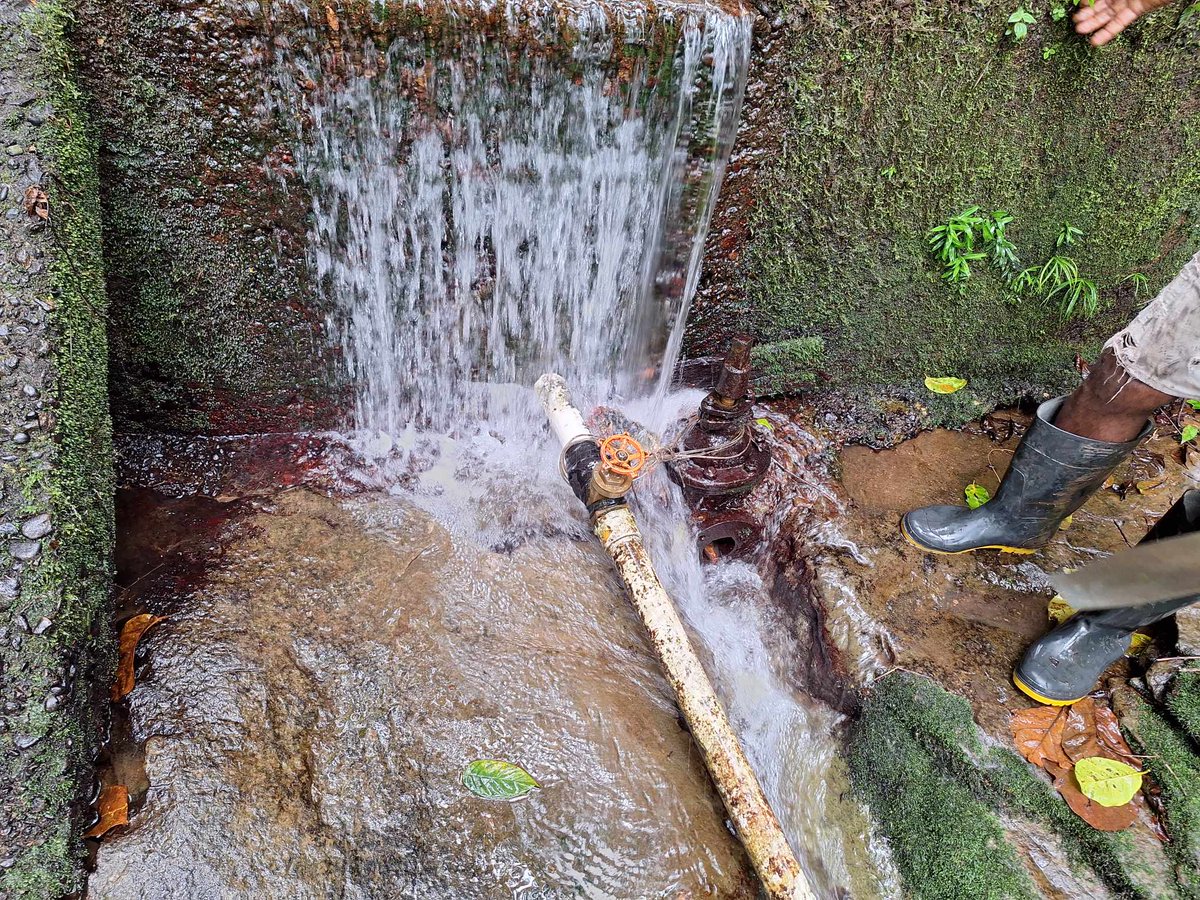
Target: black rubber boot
{"points": [[1064, 665], [1052, 473]]}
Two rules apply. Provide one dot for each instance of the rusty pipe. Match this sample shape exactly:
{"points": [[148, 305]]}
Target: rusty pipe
{"points": [[755, 822]]}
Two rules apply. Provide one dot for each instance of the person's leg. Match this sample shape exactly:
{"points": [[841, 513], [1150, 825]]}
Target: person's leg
{"points": [[1110, 405], [1074, 443]]}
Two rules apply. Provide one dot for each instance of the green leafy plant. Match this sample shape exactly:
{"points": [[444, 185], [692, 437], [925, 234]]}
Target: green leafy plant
{"points": [[1076, 295], [1019, 22], [1194, 404], [1139, 282], [1058, 12], [1002, 251], [1189, 14], [1048, 52], [1068, 234], [1189, 434], [953, 244]]}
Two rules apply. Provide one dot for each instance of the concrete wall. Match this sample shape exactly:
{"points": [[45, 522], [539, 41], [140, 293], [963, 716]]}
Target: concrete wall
{"points": [[869, 122]]}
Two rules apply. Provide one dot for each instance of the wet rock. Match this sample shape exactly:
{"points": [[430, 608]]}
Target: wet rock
{"points": [[1188, 621], [37, 527], [1158, 677], [52, 702], [14, 149], [9, 588], [20, 438], [25, 741], [42, 626], [30, 391], [24, 550]]}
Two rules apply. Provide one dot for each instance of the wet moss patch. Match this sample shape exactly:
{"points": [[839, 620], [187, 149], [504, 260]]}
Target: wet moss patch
{"points": [[937, 787], [1172, 759]]}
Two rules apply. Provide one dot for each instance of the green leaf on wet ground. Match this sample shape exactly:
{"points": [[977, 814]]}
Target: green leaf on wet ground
{"points": [[495, 779], [1194, 404], [765, 423], [1189, 434], [977, 495], [1107, 781], [945, 385]]}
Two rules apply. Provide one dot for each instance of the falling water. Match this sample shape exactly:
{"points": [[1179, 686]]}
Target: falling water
{"points": [[487, 211]]}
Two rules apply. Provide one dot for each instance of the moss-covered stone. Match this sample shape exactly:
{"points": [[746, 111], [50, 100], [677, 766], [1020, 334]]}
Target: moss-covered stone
{"points": [[916, 749], [1183, 701], [881, 119], [58, 482], [1173, 761], [786, 366]]}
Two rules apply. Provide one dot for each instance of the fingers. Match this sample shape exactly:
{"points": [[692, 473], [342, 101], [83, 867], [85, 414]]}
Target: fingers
{"points": [[1090, 17], [1105, 19], [1115, 26]]}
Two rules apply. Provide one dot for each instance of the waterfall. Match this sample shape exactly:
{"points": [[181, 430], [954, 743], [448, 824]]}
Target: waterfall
{"points": [[488, 205]]}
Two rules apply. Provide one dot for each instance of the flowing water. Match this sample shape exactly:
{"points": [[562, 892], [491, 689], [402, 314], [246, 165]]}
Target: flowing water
{"points": [[486, 207]]}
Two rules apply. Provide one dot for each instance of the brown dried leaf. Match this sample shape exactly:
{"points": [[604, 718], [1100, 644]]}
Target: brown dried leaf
{"points": [[113, 807], [331, 18], [1038, 735], [36, 202], [1092, 730], [131, 633], [1102, 818]]}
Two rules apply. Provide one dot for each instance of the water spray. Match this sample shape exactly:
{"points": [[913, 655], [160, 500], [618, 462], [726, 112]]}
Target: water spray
{"points": [[600, 474]]}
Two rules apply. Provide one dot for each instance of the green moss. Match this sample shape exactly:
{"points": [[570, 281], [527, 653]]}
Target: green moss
{"points": [[72, 477], [1173, 761], [1183, 700], [786, 366], [946, 843], [916, 744], [894, 119]]}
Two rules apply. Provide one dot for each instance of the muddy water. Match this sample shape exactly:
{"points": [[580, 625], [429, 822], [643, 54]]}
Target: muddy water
{"points": [[306, 712], [337, 652]]}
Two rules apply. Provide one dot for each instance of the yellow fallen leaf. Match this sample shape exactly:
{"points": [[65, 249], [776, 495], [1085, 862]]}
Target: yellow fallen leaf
{"points": [[1066, 523], [1106, 781], [1150, 484], [945, 385], [1138, 643], [113, 807], [1059, 610], [131, 633]]}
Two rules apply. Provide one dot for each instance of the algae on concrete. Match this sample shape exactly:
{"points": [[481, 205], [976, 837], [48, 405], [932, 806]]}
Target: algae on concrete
{"points": [[56, 452], [1174, 761], [916, 749], [883, 119]]}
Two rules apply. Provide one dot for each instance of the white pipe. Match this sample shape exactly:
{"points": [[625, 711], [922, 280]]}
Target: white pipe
{"points": [[756, 824], [565, 419]]}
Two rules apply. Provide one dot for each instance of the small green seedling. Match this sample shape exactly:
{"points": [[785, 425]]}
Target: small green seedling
{"points": [[1019, 22]]}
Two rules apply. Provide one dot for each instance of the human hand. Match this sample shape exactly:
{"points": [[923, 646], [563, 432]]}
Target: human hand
{"points": [[1105, 19]]}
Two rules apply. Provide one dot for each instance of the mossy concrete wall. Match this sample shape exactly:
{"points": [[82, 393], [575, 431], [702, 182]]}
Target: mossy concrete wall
{"points": [[869, 122], [56, 518], [214, 322]]}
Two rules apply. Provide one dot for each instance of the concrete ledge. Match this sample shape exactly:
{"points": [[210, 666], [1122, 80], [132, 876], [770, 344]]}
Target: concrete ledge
{"points": [[56, 524]]}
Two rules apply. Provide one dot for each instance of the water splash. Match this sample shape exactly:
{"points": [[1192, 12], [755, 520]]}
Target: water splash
{"points": [[483, 213]]}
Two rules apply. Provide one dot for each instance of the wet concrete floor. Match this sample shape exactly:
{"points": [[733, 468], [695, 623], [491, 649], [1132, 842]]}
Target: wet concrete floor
{"points": [[332, 660]]}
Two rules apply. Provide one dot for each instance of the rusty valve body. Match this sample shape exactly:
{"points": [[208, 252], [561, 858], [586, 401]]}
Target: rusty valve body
{"points": [[724, 459]]}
